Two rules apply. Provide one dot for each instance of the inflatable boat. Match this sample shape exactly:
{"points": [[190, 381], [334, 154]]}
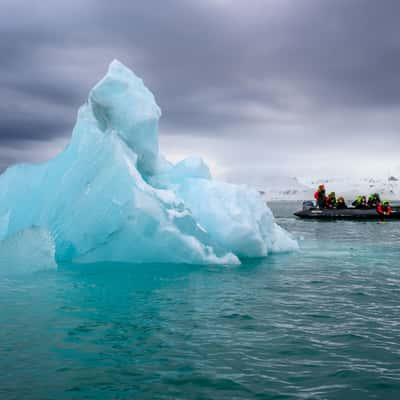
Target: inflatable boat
{"points": [[309, 211]]}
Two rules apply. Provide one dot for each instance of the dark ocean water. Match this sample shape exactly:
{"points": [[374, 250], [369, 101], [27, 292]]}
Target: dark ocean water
{"points": [[323, 323]]}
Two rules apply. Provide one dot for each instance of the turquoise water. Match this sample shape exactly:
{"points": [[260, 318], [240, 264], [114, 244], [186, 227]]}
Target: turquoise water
{"points": [[323, 323]]}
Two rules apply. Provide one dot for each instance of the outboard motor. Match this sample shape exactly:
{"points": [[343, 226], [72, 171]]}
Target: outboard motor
{"points": [[307, 205]]}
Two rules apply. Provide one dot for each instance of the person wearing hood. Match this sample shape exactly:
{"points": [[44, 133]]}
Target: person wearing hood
{"points": [[320, 197], [331, 200], [360, 202], [374, 200], [384, 208]]}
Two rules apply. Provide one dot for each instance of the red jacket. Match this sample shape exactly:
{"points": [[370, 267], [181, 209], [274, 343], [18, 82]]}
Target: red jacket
{"points": [[381, 211], [316, 196]]}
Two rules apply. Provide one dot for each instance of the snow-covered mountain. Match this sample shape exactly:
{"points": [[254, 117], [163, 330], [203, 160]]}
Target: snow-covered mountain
{"points": [[285, 188], [271, 186], [278, 187], [303, 188]]}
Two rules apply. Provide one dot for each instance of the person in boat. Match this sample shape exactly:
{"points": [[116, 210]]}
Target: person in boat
{"points": [[384, 208], [374, 200], [364, 203], [357, 201], [331, 200], [341, 204], [360, 202], [320, 197]]}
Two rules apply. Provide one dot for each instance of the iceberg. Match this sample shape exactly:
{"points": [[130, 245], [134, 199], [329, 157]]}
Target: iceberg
{"points": [[111, 196], [27, 251]]}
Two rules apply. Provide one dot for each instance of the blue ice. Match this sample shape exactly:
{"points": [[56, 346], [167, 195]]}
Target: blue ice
{"points": [[111, 196]]}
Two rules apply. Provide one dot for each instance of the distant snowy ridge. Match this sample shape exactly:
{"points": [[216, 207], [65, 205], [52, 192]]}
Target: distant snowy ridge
{"points": [[303, 188], [287, 189]]}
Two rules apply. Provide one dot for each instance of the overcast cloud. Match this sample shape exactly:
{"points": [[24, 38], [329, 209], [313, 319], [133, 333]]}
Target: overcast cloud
{"points": [[273, 87]]}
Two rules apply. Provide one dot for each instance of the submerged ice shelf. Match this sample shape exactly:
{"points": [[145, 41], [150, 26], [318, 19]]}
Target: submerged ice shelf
{"points": [[110, 195]]}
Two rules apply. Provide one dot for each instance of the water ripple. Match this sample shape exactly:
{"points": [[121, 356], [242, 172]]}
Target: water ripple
{"points": [[319, 324]]}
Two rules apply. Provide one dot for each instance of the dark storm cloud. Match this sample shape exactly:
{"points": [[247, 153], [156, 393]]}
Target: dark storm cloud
{"points": [[300, 70], [26, 127]]}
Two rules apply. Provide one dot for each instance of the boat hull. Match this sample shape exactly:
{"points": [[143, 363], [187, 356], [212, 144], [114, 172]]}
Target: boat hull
{"points": [[347, 213]]}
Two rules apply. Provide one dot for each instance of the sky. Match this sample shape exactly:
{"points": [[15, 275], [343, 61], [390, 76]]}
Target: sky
{"points": [[258, 88]]}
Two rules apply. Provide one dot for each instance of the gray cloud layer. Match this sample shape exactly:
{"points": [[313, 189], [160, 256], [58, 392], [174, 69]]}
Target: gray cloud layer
{"points": [[281, 85]]}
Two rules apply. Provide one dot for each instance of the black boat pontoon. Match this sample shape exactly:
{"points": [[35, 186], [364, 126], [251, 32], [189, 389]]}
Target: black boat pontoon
{"points": [[309, 211]]}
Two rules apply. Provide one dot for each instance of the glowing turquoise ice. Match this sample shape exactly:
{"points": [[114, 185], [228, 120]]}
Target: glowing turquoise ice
{"points": [[110, 196], [27, 251]]}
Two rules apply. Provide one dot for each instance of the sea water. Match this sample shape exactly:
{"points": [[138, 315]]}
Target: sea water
{"points": [[322, 323]]}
